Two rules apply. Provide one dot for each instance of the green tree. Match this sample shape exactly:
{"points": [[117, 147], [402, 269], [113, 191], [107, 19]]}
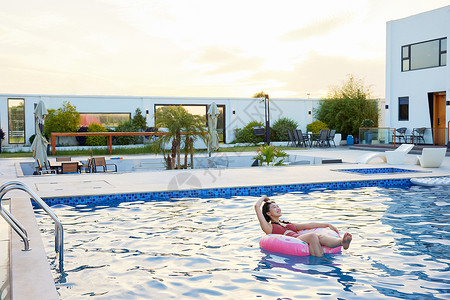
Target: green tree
{"points": [[280, 128], [63, 119], [96, 140], [177, 120], [126, 126], [139, 120], [347, 106], [259, 95]]}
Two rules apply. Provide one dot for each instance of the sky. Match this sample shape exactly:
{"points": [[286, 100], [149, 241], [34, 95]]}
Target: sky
{"points": [[196, 48]]}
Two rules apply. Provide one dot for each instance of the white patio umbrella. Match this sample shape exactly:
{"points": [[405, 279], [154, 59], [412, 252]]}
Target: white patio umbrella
{"points": [[213, 137], [40, 143]]}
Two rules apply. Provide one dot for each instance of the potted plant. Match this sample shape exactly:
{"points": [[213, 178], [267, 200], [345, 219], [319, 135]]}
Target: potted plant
{"points": [[368, 135], [2, 137], [270, 155]]}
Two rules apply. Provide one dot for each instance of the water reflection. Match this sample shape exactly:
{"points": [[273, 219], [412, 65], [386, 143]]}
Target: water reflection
{"points": [[311, 265]]}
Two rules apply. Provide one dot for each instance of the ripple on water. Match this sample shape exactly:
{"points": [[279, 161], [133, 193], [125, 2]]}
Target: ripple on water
{"points": [[208, 248]]}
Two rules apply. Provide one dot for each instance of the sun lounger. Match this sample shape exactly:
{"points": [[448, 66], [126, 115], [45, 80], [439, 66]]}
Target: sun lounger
{"points": [[431, 157], [391, 157]]}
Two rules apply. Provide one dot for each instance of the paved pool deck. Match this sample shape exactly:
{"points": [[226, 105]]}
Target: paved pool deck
{"points": [[66, 185], [169, 180]]}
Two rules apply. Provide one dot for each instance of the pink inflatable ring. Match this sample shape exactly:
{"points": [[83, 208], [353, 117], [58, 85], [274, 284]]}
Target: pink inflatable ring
{"points": [[293, 246]]}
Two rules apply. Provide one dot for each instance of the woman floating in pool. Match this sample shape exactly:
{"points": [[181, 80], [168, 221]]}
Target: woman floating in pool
{"points": [[269, 219]]}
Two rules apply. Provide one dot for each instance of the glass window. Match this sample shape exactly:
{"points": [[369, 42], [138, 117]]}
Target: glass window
{"points": [[201, 110], [403, 108], [16, 121], [109, 120], [424, 55]]}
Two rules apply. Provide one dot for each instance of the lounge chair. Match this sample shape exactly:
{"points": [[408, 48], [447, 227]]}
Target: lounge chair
{"points": [[431, 157], [100, 162], [69, 167], [43, 169], [391, 157]]}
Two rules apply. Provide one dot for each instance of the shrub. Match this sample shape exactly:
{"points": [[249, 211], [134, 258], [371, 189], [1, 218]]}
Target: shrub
{"points": [[367, 123], [96, 140], [245, 135], [280, 128], [138, 120], [270, 155], [82, 139], [126, 126], [63, 119], [2, 134], [316, 126]]}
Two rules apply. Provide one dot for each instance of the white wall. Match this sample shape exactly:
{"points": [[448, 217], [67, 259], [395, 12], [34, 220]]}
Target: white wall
{"points": [[246, 109], [415, 84]]}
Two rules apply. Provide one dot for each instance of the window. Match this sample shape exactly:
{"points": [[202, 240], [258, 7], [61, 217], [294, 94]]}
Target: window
{"points": [[424, 55], [16, 121], [403, 108], [110, 120], [201, 110]]}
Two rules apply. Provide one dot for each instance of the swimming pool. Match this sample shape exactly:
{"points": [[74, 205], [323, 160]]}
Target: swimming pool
{"points": [[208, 248]]}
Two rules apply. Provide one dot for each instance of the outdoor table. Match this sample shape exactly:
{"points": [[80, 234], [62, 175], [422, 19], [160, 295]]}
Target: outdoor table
{"points": [[57, 165]]}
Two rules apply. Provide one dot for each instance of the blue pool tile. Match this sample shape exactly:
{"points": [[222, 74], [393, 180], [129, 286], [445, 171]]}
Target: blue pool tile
{"points": [[222, 192]]}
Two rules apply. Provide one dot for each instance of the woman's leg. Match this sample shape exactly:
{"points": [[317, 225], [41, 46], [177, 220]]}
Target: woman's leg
{"points": [[333, 242], [313, 241]]}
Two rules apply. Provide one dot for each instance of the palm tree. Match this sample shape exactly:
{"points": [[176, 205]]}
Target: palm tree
{"points": [[177, 120]]}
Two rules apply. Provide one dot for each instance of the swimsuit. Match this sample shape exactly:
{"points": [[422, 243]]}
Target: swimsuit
{"points": [[289, 230]]}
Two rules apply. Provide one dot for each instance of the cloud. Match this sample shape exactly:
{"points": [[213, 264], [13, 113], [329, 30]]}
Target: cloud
{"points": [[316, 74], [319, 28], [222, 61]]}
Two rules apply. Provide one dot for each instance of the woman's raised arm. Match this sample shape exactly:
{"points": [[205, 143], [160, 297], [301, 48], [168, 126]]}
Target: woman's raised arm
{"points": [[265, 226]]}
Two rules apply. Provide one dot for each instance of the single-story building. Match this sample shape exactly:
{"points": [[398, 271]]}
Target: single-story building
{"points": [[17, 118]]}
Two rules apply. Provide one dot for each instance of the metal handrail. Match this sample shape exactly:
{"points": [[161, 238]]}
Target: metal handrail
{"points": [[17, 185]]}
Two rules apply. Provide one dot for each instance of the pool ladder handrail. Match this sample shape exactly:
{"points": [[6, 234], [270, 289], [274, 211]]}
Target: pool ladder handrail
{"points": [[20, 230]]}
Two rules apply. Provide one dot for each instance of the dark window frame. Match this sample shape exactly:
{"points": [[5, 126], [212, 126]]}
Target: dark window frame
{"points": [[408, 57], [405, 101], [223, 106], [24, 123]]}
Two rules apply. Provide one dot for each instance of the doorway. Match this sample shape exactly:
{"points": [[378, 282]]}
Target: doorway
{"points": [[439, 118]]}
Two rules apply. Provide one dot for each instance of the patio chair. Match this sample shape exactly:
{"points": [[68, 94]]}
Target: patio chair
{"points": [[69, 167], [331, 137], [400, 133], [87, 167], [391, 157], [43, 169], [292, 141], [431, 157], [298, 135], [322, 139], [100, 162], [418, 135], [64, 158]]}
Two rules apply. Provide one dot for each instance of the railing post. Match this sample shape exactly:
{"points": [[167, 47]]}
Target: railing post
{"points": [[53, 144]]}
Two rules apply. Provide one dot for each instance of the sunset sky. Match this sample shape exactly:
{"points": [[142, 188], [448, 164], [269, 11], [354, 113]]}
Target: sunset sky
{"points": [[192, 48]]}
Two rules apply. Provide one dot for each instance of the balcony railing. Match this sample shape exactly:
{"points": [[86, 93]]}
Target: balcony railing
{"points": [[417, 136]]}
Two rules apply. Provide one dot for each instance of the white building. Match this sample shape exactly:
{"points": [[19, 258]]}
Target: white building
{"points": [[417, 74], [17, 118]]}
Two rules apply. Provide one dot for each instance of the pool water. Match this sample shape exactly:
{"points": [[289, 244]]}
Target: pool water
{"points": [[208, 248]]}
